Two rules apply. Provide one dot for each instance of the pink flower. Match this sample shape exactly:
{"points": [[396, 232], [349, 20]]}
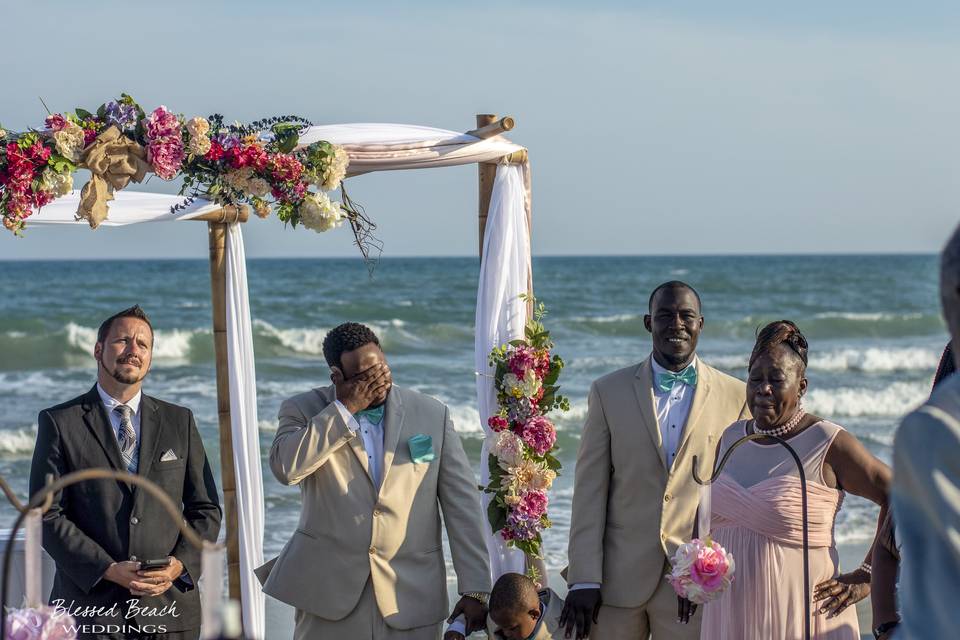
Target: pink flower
{"points": [[89, 135], [521, 360], [542, 364], [162, 124], [498, 423], [56, 122], [285, 168], [710, 568], [533, 505], [216, 151], [166, 157], [539, 434]]}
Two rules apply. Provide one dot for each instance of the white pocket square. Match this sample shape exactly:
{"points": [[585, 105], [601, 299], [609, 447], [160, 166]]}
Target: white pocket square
{"points": [[168, 455]]}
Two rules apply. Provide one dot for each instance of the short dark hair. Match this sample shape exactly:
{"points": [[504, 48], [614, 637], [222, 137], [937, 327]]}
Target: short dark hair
{"points": [[346, 337], [133, 312], [673, 284], [510, 593], [780, 332]]}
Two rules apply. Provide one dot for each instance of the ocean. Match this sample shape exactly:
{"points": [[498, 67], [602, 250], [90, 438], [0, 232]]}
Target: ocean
{"points": [[873, 324]]}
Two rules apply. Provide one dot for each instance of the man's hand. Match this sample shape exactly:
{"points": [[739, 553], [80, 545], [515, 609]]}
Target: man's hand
{"points": [[474, 612], [685, 610], [841, 592], [156, 581], [122, 573], [368, 386], [580, 610]]}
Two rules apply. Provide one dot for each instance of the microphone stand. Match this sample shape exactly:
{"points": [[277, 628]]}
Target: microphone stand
{"points": [[803, 491]]}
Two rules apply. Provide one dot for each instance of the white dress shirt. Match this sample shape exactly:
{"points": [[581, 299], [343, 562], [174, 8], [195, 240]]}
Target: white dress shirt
{"points": [[673, 409], [111, 403], [372, 435]]}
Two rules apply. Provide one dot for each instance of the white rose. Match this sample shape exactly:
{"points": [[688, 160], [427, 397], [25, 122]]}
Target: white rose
{"points": [[69, 141]]}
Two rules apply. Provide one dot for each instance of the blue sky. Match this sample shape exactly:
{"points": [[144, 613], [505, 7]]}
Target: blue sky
{"points": [[682, 127]]}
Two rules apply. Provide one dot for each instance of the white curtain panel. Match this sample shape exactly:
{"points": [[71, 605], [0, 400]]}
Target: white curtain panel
{"points": [[128, 207], [246, 438], [389, 147], [501, 316]]}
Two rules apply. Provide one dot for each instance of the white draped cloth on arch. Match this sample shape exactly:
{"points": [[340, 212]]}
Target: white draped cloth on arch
{"points": [[505, 272]]}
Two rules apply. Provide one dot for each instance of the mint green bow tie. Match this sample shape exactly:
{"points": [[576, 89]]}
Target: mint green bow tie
{"points": [[374, 415], [666, 380]]}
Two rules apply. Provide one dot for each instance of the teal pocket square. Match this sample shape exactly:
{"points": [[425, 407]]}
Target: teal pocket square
{"points": [[421, 448]]}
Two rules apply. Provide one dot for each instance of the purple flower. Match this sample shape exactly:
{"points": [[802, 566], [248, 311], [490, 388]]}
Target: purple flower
{"points": [[121, 114]]}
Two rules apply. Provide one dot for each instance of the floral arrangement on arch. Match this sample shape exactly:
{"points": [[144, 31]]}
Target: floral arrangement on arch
{"points": [[261, 164], [522, 462]]}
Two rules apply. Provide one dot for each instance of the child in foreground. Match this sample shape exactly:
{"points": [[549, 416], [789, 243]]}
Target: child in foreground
{"points": [[518, 612]]}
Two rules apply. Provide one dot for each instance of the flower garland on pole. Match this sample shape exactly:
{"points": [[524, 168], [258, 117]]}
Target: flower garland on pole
{"points": [[260, 164], [522, 462]]}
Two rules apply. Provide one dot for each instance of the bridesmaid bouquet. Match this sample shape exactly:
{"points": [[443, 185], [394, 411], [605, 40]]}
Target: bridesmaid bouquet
{"points": [[702, 570]]}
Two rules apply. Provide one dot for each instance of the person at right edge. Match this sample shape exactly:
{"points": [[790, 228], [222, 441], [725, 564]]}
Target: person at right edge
{"points": [[635, 498]]}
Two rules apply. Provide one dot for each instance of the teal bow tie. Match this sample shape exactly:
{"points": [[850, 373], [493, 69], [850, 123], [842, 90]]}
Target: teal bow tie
{"points": [[688, 376], [373, 415]]}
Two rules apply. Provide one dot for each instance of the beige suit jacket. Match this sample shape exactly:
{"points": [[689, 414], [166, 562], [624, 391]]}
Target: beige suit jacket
{"points": [[349, 531], [629, 510]]}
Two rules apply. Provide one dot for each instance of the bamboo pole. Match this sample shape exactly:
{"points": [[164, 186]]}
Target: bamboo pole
{"points": [[486, 172], [495, 128], [218, 288], [227, 214]]}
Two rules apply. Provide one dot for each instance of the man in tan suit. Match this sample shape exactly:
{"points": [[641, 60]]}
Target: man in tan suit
{"points": [[926, 490], [634, 495], [375, 464]]}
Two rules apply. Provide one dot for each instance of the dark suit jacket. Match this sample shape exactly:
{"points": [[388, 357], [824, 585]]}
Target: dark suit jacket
{"points": [[97, 522]]}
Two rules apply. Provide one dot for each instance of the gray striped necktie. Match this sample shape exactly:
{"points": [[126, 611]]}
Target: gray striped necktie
{"points": [[128, 438]]}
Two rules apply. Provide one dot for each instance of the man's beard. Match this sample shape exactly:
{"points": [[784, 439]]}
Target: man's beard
{"points": [[123, 378]]}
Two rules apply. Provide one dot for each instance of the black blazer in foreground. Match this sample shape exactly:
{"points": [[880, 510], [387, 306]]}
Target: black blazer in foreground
{"points": [[97, 522]]}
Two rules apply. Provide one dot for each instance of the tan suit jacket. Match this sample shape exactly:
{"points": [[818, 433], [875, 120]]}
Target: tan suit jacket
{"points": [[349, 531], [629, 509]]}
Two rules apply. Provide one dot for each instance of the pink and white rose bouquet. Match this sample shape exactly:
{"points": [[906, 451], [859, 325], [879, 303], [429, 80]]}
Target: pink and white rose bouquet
{"points": [[701, 570]]}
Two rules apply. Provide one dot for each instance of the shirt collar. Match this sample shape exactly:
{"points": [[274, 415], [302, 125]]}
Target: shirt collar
{"points": [[658, 368], [112, 403]]}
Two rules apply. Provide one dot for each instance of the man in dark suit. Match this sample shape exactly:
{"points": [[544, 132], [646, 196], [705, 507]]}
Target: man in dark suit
{"points": [[98, 532]]}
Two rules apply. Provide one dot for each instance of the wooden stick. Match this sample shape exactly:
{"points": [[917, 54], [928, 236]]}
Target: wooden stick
{"points": [[227, 214], [495, 128], [228, 479], [486, 173]]}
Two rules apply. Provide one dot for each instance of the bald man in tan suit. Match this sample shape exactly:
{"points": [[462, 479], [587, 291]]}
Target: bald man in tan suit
{"points": [[634, 497], [375, 464]]}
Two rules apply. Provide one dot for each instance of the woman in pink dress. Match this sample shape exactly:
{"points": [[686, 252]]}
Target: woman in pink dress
{"points": [[756, 507]]}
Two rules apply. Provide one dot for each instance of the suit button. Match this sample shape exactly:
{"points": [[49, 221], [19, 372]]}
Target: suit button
{"points": [[377, 512], [134, 520], [133, 558], [663, 537], [373, 550], [666, 497]]}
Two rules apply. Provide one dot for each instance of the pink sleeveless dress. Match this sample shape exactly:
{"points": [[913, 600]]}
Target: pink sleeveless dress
{"points": [[757, 516]]}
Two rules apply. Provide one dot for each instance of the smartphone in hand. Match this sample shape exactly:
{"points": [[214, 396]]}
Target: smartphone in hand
{"points": [[150, 565]]}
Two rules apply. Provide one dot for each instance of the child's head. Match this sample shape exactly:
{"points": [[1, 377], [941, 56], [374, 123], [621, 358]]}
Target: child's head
{"points": [[515, 606]]}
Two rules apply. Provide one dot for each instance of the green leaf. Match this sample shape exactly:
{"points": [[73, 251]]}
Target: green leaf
{"points": [[552, 462], [497, 516], [83, 114]]}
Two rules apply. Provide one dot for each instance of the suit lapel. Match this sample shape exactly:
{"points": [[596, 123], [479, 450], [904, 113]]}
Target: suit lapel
{"points": [[701, 396], [150, 425], [95, 417], [643, 385], [392, 425]]}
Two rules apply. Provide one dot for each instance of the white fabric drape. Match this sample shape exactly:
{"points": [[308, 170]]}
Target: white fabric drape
{"points": [[500, 317], [128, 207], [246, 438], [389, 147]]}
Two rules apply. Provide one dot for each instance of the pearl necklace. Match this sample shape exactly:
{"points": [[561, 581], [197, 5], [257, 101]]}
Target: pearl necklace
{"points": [[783, 429]]}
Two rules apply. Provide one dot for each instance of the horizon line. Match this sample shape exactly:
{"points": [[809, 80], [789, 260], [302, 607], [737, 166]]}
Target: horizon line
{"points": [[835, 254]]}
